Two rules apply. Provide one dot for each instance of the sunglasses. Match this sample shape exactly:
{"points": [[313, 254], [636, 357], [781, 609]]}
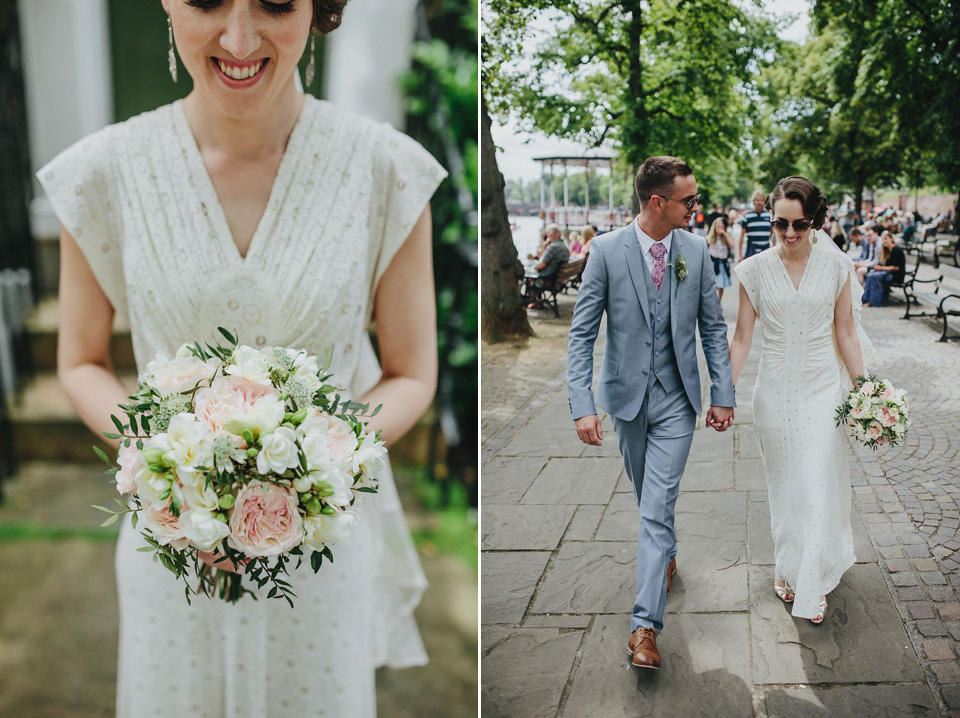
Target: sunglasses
{"points": [[799, 225], [691, 203]]}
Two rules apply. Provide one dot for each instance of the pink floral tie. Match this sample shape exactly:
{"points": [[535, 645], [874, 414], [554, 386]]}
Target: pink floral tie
{"points": [[659, 266]]}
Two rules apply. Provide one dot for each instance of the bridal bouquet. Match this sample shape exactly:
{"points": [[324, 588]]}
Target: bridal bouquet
{"points": [[876, 412], [245, 454]]}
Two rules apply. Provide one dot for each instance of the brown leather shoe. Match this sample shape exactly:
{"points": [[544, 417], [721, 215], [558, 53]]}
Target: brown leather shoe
{"points": [[671, 569], [642, 647]]}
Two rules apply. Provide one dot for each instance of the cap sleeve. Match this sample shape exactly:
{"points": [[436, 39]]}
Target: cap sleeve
{"points": [[746, 272], [405, 177], [80, 184]]}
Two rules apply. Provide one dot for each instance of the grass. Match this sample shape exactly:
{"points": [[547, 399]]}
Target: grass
{"points": [[452, 528], [29, 531]]}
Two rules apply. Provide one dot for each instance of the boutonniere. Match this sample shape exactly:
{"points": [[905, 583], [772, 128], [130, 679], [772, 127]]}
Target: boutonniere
{"points": [[679, 271]]}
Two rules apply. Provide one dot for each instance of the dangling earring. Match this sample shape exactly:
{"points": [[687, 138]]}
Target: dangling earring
{"points": [[171, 55], [311, 63]]}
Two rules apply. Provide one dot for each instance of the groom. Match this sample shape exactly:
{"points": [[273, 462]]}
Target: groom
{"points": [[655, 281]]}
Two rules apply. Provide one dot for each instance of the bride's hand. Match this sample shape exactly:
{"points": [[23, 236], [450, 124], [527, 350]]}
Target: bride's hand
{"points": [[216, 560]]}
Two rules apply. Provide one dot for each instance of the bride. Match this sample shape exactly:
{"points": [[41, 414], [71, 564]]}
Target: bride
{"points": [[807, 298], [251, 206]]}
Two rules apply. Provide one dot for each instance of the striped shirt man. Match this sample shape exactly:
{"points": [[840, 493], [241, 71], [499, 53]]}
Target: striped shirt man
{"points": [[756, 229]]}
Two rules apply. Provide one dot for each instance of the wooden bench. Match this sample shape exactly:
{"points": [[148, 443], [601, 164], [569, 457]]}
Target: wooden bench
{"points": [[946, 245], [544, 291], [953, 310], [920, 292]]}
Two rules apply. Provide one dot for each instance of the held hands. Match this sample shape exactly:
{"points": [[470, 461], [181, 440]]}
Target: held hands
{"points": [[720, 417], [589, 430]]}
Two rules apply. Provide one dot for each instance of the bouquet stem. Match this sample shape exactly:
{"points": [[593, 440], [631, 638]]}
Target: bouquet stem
{"points": [[230, 586]]}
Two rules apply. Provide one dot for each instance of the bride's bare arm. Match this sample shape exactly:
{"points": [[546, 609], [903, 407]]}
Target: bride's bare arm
{"points": [[742, 335], [405, 314], [847, 340], [83, 347]]}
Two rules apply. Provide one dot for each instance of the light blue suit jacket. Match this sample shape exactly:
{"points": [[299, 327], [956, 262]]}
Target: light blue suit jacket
{"points": [[612, 283]]}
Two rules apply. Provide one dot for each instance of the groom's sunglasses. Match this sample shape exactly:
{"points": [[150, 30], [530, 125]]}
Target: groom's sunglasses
{"points": [[691, 202], [799, 225]]}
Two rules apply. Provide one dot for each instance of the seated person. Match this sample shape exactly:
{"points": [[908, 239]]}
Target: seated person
{"points": [[872, 246], [587, 233], [856, 239], [576, 246], [554, 256], [891, 267]]}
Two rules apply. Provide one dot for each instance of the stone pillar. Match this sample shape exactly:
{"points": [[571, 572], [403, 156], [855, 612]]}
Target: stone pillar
{"points": [[68, 86], [366, 55]]}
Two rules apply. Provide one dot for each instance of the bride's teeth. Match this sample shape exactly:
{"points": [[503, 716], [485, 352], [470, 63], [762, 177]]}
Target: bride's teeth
{"points": [[238, 73]]}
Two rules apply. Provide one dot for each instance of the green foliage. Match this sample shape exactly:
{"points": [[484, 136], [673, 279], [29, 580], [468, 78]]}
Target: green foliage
{"points": [[442, 106], [453, 529]]}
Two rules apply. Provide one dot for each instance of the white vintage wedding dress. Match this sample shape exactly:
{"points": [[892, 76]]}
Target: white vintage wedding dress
{"points": [[141, 205], [800, 383]]}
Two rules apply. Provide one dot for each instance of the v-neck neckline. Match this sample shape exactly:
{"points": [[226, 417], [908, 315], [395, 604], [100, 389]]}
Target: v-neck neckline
{"points": [[786, 273], [209, 192]]}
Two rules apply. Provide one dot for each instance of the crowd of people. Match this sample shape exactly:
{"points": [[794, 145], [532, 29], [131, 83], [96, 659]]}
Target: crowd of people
{"points": [[733, 235]]}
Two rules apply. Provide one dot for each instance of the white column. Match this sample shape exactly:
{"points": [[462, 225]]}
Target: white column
{"points": [[366, 55], [68, 81], [565, 195], [612, 221]]}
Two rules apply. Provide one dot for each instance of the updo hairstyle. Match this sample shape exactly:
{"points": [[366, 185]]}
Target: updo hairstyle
{"points": [[811, 198], [327, 15]]}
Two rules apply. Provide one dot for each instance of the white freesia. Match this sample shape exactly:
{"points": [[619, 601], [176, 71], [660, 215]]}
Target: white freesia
{"points": [[151, 485], [189, 440], [278, 451], [203, 529], [199, 496], [370, 458], [314, 446], [306, 371], [320, 531], [250, 365]]}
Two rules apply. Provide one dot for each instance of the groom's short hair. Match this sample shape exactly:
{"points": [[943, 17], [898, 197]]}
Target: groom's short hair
{"points": [[656, 176]]}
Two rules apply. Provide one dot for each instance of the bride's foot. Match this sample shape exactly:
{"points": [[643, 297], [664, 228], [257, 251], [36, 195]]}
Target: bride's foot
{"points": [[784, 592], [818, 619]]}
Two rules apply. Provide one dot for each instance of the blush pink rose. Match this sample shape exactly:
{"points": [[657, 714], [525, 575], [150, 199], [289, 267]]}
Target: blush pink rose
{"points": [[264, 520], [130, 462], [179, 375], [164, 525], [227, 396], [341, 441], [887, 417], [886, 394], [875, 430]]}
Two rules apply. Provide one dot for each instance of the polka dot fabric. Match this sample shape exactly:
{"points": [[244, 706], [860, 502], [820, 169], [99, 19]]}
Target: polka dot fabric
{"points": [[142, 207], [799, 385]]}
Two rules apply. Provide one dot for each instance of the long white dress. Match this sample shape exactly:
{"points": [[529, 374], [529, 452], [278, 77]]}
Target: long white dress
{"points": [[142, 207], [800, 383]]}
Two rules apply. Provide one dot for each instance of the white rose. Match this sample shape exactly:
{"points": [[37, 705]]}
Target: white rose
{"points": [[320, 530], [278, 452], [203, 529], [150, 485], [250, 365], [314, 445], [334, 475], [264, 416]]}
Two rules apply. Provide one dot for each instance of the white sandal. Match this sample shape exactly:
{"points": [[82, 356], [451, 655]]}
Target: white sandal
{"points": [[784, 592], [818, 619]]}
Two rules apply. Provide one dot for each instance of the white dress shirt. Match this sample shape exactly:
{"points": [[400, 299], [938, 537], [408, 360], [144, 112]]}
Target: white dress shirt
{"points": [[646, 242]]}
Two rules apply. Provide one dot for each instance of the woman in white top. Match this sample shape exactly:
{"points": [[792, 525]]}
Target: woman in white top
{"points": [[251, 206]]}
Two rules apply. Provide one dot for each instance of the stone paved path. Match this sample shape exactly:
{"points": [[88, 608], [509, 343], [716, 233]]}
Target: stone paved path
{"points": [[559, 550]]}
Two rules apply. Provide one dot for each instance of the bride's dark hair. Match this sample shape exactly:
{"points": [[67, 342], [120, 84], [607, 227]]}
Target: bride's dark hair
{"points": [[327, 15], [811, 198]]}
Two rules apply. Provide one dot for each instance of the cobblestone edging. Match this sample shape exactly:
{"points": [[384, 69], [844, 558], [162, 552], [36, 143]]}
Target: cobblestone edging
{"points": [[909, 496]]}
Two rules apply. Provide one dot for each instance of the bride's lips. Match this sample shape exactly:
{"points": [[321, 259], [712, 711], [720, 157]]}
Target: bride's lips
{"points": [[239, 75]]}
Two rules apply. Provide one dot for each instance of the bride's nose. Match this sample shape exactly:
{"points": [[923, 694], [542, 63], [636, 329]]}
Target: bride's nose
{"points": [[240, 36]]}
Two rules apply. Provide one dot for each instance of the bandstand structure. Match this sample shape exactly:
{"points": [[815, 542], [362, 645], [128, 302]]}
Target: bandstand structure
{"points": [[608, 217]]}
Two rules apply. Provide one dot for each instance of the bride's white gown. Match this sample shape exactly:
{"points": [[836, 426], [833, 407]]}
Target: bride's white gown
{"points": [[140, 203], [799, 386]]}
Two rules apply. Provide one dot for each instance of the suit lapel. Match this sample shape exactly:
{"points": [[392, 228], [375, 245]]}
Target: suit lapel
{"points": [[637, 269], [676, 250]]}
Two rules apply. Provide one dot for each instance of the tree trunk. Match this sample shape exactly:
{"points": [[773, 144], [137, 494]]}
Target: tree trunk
{"points": [[502, 313], [635, 134]]}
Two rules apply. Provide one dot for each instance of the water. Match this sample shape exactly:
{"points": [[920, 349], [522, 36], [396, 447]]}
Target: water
{"points": [[526, 236]]}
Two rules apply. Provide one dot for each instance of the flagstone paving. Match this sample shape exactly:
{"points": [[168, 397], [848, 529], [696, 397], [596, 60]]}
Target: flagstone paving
{"points": [[556, 597]]}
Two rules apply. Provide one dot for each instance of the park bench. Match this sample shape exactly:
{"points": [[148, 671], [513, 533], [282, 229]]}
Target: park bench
{"points": [[946, 245], [938, 305], [545, 292]]}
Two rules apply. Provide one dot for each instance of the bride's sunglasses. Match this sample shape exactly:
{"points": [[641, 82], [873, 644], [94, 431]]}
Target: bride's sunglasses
{"points": [[799, 225]]}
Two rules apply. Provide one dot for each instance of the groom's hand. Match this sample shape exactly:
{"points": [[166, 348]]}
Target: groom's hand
{"points": [[720, 417], [589, 429]]}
